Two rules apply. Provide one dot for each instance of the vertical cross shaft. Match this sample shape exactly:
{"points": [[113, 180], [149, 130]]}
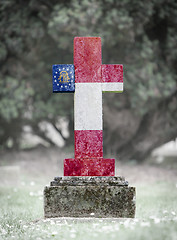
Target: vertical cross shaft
{"points": [[88, 98]]}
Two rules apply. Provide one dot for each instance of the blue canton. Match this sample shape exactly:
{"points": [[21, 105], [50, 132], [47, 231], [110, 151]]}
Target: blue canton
{"points": [[63, 78]]}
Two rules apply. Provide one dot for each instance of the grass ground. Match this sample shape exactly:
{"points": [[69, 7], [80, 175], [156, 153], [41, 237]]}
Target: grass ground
{"points": [[21, 203]]}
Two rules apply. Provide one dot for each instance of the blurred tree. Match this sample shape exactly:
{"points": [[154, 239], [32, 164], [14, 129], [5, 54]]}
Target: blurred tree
{"points": [[140, 34]]}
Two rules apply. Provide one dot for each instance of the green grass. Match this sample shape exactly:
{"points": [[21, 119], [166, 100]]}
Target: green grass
{"points": [[21, 216]]}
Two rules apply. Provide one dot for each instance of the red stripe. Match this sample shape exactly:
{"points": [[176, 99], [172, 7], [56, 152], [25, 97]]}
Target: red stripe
{"points": [[89, 167], [88, 143], [112, 73], [87, 59]]}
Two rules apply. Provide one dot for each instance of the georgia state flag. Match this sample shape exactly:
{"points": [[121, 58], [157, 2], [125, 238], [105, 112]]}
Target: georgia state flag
{"points": [[63, 78]]}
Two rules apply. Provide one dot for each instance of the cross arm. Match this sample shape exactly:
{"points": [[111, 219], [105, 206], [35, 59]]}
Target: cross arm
{"points": [[112, 77]]}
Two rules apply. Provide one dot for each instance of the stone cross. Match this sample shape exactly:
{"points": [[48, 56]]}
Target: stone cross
{"points": [[88, 78]]}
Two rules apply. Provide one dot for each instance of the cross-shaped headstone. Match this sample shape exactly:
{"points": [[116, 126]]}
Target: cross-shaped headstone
{"points": [[88, 78]]}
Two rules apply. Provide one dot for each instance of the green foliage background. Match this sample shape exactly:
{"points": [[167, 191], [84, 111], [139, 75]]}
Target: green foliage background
{"points": [[139, 34]]}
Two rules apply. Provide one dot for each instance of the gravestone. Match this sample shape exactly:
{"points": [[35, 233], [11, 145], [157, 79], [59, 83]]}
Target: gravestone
{"points": [[89, 187]]}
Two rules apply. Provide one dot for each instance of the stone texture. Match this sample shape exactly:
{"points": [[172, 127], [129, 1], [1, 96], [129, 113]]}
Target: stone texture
{"points": [[85, 181], [89, 167], [88, 143], [87, 59], [88, 106], [89, 197], [112, 73]]}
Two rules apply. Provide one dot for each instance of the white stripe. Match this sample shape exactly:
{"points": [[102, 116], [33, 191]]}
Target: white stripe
{"points": [[112, 87], [88, 106]]}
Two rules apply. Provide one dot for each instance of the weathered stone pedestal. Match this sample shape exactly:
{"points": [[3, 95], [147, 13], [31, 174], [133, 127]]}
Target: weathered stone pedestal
{"points": [[89, 197]]}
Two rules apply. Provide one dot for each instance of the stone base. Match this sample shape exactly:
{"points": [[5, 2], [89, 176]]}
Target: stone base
{"points": [[106, 197]]}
